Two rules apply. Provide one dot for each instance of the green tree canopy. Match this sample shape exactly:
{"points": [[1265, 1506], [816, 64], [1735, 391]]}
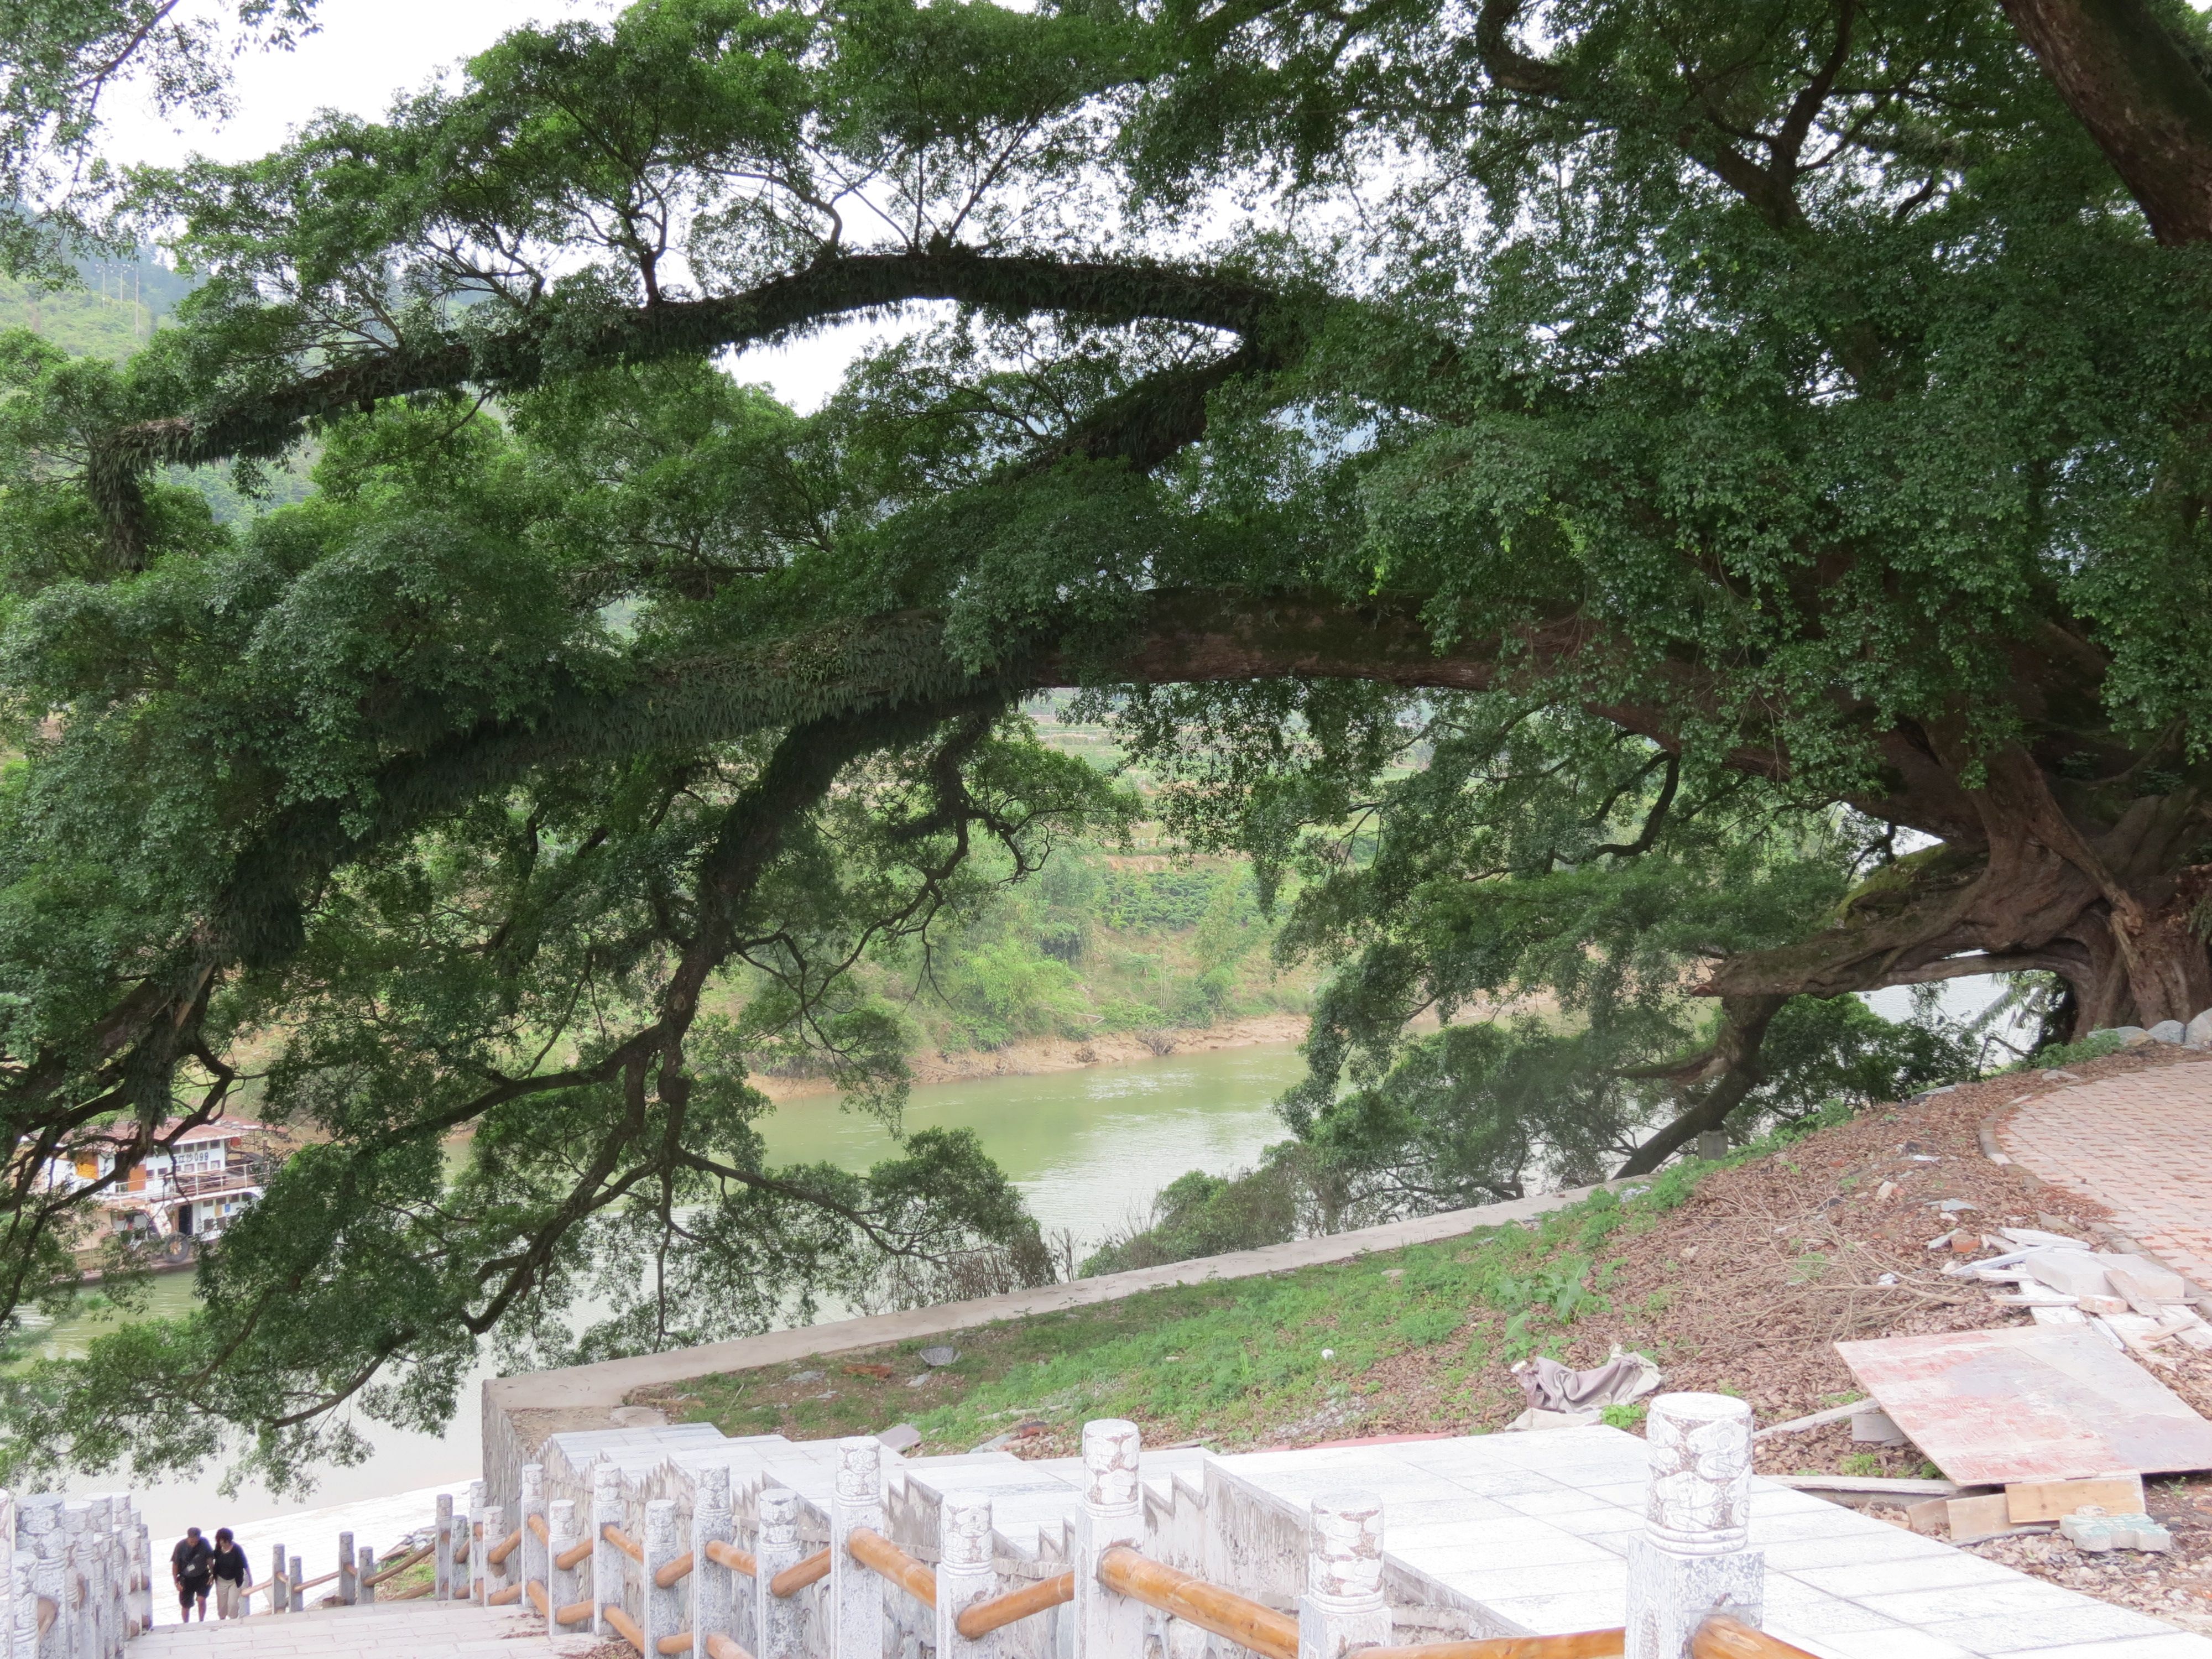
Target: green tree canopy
{"points": [[1655, 506]]}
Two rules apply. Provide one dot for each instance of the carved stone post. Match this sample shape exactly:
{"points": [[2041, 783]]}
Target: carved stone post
{"points": [[442, 1550], [532, 1505], [1107, 1626], [776, 1547], [1343, 1605], [664, 1608], [98, 1548], [299, 1597], [1690, 1560], [609, 1564], [491, 1579], [856, 1595], [46, 1581], [279, 1586], [23, 1603], [39, 1529], [77, 1611], [475, 1537], [365, 1592], [714, 1586], [966, 1573], [563, 1585]]}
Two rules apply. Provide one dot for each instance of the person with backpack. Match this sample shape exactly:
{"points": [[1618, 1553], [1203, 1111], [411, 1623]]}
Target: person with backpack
{"points": [[190, 1565]]}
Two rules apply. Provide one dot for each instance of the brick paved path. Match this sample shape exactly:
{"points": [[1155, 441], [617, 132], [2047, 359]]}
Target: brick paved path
{"points": [[2141, 1146], [388, 1630]]}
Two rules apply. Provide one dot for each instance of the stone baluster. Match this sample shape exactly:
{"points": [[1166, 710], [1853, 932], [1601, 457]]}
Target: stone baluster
{"points": [[443, 1546], [365, 1591], [39, 1530], [1107, 1626], [532, 1503], [471, 1587], [1690, 1560], [776, 1547], [23, 1603], [856, 1595], [608, 1565], [75, 1580], [146, 1587], [47, 1580], [1343, 1605], [297, 1597], [563, 1585], [348, 1579], [714, 1586], [279, 1587], [98, 1554], [492, 1579], [663, 1608], [966, 1573]]}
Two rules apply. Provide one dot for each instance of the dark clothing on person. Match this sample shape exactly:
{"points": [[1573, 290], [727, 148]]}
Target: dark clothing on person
{"points": [[193, 1561], [230, 1562]]}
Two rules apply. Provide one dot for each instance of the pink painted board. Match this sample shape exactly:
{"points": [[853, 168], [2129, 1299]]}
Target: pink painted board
{"points": [[2029, 1403]]}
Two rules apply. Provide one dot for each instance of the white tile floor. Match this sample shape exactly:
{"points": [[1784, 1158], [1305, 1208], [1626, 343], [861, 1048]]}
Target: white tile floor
{"points": [[394, 1631]]}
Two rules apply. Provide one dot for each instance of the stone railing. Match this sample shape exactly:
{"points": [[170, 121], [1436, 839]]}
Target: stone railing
{"points": [[82, 1583], [667, 1584]]}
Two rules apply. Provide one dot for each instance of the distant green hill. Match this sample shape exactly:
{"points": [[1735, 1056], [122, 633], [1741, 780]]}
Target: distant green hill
{"points": [[121, 304]]}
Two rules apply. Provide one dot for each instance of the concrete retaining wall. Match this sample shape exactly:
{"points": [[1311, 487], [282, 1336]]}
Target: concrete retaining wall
{"points": [[520, 1412]]}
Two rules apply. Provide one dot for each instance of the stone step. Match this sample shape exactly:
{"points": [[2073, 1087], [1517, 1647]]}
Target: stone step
{"points": [[400, 1630]]}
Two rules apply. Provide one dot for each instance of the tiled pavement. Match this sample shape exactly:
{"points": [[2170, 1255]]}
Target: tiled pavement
{"points": [[1536, 1528], [2141, 1146], [391, 1630]]}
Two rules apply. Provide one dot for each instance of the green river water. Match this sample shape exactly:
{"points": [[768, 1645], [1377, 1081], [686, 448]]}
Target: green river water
{"points": [[1088, 1149]]}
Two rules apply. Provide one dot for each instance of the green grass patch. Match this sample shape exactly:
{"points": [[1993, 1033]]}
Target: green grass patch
{"points": [[1240, 1362]]}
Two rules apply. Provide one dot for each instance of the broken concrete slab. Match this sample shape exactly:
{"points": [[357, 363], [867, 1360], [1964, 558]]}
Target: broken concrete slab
{"points": [[2029, 1403], [2086, 1272], [2096, 1532]]}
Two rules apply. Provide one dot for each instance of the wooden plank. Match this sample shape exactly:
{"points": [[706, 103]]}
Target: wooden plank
{"points": [[1978, 1518], [1897, 1485], [2049, 1500], [2029, 1403], [1833, 1414]]}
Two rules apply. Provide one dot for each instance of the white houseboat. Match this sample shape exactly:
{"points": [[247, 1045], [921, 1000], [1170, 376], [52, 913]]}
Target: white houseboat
{"points": [[173, 1198]]}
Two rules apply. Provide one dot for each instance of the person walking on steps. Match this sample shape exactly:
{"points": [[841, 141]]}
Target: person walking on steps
{"points": [[189, 1566], [228, 1564]]}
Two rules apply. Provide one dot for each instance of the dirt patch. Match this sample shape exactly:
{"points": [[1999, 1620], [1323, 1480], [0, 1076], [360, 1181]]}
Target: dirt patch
{"points": [[1041, 1056]]}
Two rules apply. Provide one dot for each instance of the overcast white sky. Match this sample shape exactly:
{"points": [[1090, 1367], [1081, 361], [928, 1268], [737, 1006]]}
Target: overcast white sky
{"points": [[363, 52]]}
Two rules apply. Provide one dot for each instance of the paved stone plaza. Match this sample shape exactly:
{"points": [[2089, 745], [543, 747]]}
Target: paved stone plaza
{"points": [[390, 1630], [2141, 1146]]}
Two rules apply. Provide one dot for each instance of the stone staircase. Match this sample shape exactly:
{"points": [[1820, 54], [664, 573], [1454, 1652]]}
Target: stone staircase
{"points": [[389, 1630]]}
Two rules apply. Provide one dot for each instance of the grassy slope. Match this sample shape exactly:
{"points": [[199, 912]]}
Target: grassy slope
{"points": [[1736, 1276]]}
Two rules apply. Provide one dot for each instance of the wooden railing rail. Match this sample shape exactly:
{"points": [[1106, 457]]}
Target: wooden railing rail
{"points": [[674, 1572], [500, 1598], [413, 1558], [877, 1553], [674, 1641], [623, 1541], [719, 1646], [576, 1613], [624, 1625], [539, 1530], [1207, 1605], [536, 1592], [797, 1577], [574, 1555], [1723, 1637], [1000, 1611], [730, 1556], [497, 1554], [1575, 1644]]}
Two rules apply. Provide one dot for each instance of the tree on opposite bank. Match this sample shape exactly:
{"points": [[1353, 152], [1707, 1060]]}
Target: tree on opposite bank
{"points": [[1583, 489]]}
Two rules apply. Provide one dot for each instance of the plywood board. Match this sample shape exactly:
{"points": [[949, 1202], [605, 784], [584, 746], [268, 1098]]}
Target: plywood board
{"points": [[2047, 1500], [2029, 1403]]}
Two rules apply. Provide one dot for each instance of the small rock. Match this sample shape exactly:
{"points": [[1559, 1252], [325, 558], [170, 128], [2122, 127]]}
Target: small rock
{"points": [[1952, 1206], [922, 1380], [1886, 1278], [2198, 1032], [2129, 1036], [1885, 1190], [638, 1417], [2168, 1030], [1689, 1253], [806, 1377], [899, 1437], [2055, 1075], [1328, 1353], [938, 1356]]}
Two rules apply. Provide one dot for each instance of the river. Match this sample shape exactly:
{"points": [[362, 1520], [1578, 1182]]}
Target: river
{"points": [[1088, 1148]]}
